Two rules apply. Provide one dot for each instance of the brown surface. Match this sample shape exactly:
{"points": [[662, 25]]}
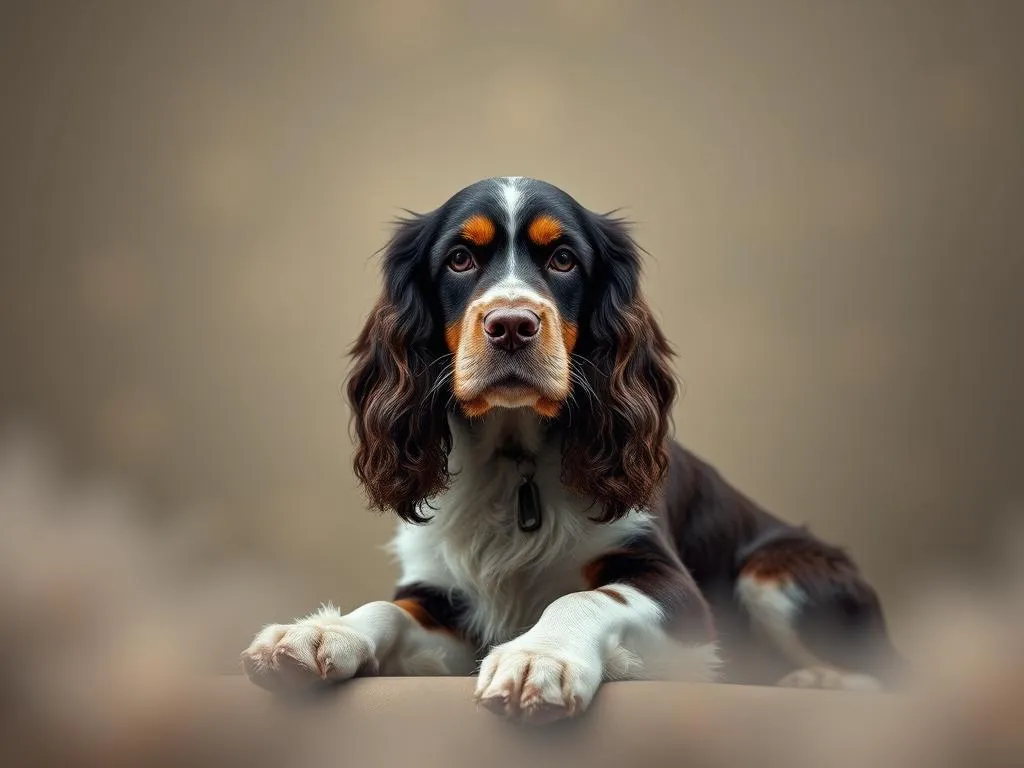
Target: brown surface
{"points": [[434, 722]]}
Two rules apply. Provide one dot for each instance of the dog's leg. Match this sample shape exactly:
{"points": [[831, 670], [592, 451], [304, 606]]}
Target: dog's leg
{"points": [[415, 634], [809, 600], [641, 598]]}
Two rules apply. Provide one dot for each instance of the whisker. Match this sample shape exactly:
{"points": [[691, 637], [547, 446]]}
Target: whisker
{"points": [[441, 359], [573, 357], [436, 387], [433, 397], [575, 379], [451, 397], [443, 377], [573, 401], [577, 376]]}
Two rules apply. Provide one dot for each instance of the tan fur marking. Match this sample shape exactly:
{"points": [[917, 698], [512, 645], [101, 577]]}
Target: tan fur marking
{"points": [[476, 408], [782, 561], [569, 333], [452, 336], [419, 615], [414, 609], [547, 408], [544, 229], [766, 579], [478, 229], [614, 594], [592, 572]]}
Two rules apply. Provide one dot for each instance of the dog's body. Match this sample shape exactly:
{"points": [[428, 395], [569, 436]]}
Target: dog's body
{"points": [[511, 398]]}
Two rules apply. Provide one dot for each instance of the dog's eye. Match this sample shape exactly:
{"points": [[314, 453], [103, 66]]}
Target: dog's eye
{"points": [[460, 260], [562, 260]]}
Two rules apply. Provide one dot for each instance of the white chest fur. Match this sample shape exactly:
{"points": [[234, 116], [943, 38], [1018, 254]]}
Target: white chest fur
{"points": [[474, 545]]}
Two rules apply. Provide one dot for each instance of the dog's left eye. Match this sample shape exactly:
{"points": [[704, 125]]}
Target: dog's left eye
{"points": [[460, 260], [562, 260]]}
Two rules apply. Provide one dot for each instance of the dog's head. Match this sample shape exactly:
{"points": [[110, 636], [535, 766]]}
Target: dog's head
{"points": [[511, 295]]}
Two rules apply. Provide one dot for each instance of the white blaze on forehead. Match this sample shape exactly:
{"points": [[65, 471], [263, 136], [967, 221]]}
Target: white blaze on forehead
{"points": [[511, 198]]}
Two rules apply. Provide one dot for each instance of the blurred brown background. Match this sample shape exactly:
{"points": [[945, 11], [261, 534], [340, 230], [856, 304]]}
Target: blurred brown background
{"points": [[832, 193]]}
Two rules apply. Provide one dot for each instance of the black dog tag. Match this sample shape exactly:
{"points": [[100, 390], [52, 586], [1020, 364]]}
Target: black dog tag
{"points": [[528, 513]]}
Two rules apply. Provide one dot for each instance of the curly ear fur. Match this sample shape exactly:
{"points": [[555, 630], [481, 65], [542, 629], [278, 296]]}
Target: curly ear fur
{"points": [[616, 449], [402, 444]]}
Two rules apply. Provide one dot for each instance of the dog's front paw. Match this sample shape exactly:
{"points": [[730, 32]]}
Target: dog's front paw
{"points": [[316, 649], [538, 681]]}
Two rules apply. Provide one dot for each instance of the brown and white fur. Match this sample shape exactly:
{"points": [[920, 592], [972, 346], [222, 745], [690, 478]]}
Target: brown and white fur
{"points": [[511, 336]]}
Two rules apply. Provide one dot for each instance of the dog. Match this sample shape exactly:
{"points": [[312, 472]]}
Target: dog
{"points": [[511, 395]]}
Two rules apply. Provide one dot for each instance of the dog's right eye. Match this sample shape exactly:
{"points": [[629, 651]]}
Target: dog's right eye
{"points": [[460, 260]]}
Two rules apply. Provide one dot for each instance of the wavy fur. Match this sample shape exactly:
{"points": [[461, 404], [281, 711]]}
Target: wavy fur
{"points": [[616, 450], [402, 440]]}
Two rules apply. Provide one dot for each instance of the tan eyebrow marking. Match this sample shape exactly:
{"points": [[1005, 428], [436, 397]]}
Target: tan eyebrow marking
{"points": [[478, 229], [545, 229]]}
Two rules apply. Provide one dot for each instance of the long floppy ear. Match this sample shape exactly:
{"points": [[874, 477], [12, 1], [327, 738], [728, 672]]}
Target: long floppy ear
{"points": [[402, 442], [616, 447]]}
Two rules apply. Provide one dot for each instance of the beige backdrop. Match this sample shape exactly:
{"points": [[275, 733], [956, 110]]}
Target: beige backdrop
{"points": [[832, 192]]}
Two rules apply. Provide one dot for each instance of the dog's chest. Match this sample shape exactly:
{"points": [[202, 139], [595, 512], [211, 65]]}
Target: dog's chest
{"points": [[505, 576]]}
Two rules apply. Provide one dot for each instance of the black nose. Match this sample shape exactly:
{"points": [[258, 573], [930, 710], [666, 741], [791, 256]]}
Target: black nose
{"points": [[511, 329]]}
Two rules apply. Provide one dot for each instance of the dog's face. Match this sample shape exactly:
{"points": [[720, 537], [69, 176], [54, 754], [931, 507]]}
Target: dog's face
{"points": [[511, 262], [511, 295]]}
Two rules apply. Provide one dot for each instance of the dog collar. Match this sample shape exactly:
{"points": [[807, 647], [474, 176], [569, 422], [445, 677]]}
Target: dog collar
{"points": [[528, 509]]}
